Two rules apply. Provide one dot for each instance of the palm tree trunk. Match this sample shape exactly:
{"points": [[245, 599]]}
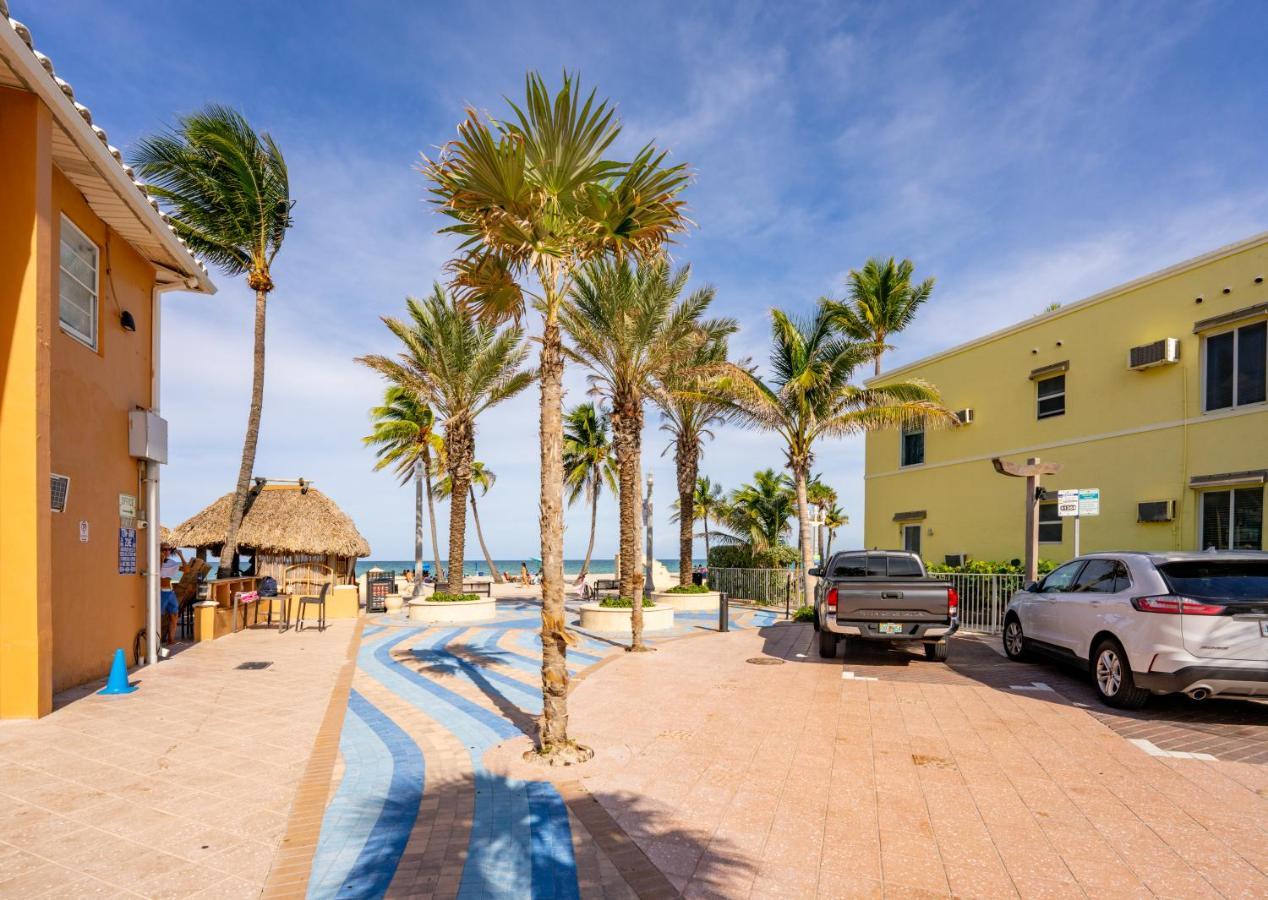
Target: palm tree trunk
{"points": [[552, 734], [627, 429], [460, 452], [418, 527], [803, 528], [475, 514], [229, 550], [594, 515], [687, 457], [431, 516], [706, 540]]}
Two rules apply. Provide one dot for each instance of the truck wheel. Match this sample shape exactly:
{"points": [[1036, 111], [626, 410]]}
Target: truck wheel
{"points": [[827, 644], [937, 652], [1112, 675]]}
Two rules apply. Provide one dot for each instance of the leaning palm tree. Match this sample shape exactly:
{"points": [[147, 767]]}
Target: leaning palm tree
{"points": [[533, 197], [402, 432], [687, 414], [706, 501], [460, 367], [227, 192], [810, 397], [482, 478], [883, 301], [630, 326], [588, 463]]}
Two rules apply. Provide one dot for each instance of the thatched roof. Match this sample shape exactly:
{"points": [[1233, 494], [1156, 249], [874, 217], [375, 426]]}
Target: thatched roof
{"points": [[165, 535], [280, 519]]}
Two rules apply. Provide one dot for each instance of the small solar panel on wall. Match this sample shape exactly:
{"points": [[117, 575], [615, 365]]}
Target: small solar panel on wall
{"points": [[60, 491]]}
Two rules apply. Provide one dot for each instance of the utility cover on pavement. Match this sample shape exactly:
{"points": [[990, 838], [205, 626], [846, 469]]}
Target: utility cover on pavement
{"points": [[765, 661], [254, 665]]}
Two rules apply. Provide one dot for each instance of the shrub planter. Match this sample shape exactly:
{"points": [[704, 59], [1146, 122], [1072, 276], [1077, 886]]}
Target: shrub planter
{"points": [[706, 602], [617, 619], [453, 611]]}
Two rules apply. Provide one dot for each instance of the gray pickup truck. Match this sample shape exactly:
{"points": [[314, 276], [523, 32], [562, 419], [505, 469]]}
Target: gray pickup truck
{"points": [[883, 595]]}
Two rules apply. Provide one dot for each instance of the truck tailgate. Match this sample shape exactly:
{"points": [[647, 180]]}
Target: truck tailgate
{"points": [[888, 599]]}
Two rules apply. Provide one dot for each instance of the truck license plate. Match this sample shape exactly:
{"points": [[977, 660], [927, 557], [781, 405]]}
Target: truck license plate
{"points": [[890, 628]]}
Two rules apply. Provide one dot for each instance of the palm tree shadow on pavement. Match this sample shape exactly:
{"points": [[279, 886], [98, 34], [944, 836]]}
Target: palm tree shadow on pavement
{"points": [[472, 662]]}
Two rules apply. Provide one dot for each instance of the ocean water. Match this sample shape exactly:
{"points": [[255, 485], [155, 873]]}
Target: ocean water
{"points": [[512, 566]]}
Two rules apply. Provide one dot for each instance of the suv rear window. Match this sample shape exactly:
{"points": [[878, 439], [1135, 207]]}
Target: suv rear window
{"points": [[1232, 579]]}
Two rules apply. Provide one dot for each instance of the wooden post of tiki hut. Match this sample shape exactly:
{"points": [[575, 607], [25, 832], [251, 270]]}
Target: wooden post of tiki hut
{"points": [[294, 534]]}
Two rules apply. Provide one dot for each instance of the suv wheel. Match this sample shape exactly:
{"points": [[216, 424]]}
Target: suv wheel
{"points": [[937, 651], [1112, 675], [1014, 640], [827, 644]]}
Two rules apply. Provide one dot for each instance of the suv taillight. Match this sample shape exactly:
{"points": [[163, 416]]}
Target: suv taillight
{"points": [[1173, 605], [953, 603], [831, 601]]}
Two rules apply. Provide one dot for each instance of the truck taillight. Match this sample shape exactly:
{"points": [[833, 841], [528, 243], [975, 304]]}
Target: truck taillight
{"points": [[831, 601], [1173, 605], [953, 603]]}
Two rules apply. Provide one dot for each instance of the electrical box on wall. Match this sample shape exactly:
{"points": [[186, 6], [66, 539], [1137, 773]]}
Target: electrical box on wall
{"points": [[147, 436]]}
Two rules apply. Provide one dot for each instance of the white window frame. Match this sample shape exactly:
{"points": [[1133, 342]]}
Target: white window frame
{"points": [[902, 433], [1206, 336], [1231, 490], [88, 340], [1040, 520], [1064, 385]]}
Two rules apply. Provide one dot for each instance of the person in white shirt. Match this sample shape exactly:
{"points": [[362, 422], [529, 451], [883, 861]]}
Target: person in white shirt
{"points": [[169, 609]]}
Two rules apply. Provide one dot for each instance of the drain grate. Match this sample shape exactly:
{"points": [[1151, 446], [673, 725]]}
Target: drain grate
{"points": [[764, 661], [253, 665]]}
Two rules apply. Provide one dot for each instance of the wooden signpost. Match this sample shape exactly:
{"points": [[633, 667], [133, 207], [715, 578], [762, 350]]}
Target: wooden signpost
{"points": [[1032, 471]]}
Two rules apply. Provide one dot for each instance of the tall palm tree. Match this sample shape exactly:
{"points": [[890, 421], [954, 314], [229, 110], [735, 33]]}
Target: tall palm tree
{"points": [[706, 501], [883, 301], [460, 367], [756, 516], [809, 397], [588, 463], [820, 496], [402, 431], [688, 412], [483, 478], [629, 325], [833, 518], [533, 197], [226, 189]]}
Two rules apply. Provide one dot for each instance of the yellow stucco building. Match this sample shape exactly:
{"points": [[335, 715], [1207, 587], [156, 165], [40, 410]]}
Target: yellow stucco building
{"points": [[84, 259], [1152, 392]]}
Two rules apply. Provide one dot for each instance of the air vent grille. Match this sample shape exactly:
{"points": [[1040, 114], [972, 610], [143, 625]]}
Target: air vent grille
{"points": [[60, 490], [1159, 353], [965, 416]]}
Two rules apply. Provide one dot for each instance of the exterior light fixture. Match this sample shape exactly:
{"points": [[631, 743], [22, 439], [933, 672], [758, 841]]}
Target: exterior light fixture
{"points": [[1259, 279], [1228, 290], [126, 321], [1198, 299]]}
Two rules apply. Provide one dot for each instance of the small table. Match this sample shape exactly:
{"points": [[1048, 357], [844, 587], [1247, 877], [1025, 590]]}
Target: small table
{"points": [[225, 590]]}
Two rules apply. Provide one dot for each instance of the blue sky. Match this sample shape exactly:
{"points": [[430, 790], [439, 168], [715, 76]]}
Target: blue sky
{"points": [[1022, 153]]}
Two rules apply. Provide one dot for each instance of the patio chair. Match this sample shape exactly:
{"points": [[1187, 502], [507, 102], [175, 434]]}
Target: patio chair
{"points": [[320, 602]]}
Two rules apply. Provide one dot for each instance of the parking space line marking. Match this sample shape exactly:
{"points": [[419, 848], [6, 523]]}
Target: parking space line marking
{"points": [[1154, 750], [850, 676], [1033, 686]]}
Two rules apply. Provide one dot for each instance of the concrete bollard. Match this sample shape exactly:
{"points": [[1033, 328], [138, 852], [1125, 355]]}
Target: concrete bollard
{"points": [[724, 613]]}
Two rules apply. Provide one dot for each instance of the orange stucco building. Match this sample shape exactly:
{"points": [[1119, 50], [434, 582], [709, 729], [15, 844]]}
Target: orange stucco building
{"points": [[85, 257]]}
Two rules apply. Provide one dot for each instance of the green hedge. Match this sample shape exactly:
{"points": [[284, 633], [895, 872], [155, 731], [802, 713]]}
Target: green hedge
{"points": [[738, 556], [622, 603], [987, 567], [688, 589], [452, 598]]}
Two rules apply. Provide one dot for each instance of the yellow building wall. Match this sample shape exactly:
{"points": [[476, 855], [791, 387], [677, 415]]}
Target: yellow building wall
{"points": [[25, 278], [95, 609], [1136, 435]]}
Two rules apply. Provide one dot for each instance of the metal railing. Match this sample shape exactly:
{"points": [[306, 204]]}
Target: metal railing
{"points": [[983, 599], [768, 587]]}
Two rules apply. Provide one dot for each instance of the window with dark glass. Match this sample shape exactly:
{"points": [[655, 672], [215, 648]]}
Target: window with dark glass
{"points": [[903, 566], [913, 443], [1237, 367], [911, 539], [1097, 577], [1049, 524], [1061, 579], [850, 567], [1233, 519], [1050, 396]]}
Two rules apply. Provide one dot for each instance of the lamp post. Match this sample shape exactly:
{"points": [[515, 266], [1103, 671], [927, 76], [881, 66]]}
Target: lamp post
{"points": [[647, 520], [1032, 471]]}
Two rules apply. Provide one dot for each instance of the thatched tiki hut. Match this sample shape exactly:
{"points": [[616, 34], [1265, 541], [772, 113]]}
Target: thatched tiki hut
{"points": [[285, 525]]}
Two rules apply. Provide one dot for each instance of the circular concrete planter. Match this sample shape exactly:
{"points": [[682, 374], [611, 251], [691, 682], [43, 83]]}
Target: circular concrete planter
{"points": [[615, 619], [393, 602], [689, 602], [453, 612]]}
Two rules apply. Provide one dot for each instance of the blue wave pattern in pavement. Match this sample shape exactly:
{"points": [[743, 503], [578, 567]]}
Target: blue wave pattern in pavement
{"points": [[367, 824]]}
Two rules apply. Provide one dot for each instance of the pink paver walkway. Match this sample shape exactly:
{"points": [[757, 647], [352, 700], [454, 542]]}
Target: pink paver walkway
{"points": [[795, 780], [181, 789]]}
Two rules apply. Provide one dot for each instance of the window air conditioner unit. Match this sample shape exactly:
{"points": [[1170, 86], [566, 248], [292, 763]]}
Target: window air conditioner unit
{"points": [[965, 416], [956, 560], [60, 485], [147, 436], [1159, 353], [1156, 511]]}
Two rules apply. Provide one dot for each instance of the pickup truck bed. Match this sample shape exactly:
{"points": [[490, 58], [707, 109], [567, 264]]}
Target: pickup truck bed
{"points": [[883, 596]]}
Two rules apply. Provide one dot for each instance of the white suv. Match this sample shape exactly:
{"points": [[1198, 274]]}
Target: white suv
{"points": [[1151, 623]]}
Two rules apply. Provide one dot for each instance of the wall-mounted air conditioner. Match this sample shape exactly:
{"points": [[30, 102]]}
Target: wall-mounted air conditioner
{"points": [[1156, 511], [60, 490], [956, 560], [1159, 353], [965, 416], [147, 436]]}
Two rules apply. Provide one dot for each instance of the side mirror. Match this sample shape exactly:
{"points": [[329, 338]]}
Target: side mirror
{"points": [[816, 572], [1032, 588]]}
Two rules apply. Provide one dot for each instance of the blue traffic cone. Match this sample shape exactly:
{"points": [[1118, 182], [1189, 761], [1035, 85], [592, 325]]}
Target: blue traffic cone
{"points": [[118, 681]]}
